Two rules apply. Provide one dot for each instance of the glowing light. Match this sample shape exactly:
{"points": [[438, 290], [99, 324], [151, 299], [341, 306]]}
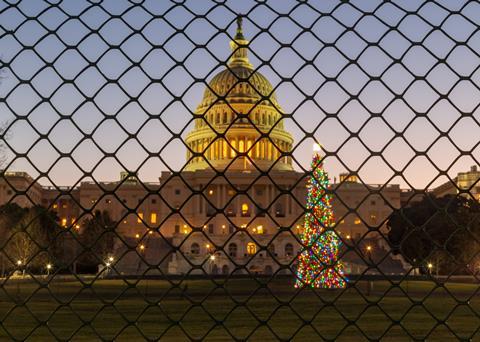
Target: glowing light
{"points": [[108, 264], [348, 237], [316, 147], [19, 262], [111, 259], [207, 245], [212, 257], [137, 236], [318, 263], [430, 265], [150, 232], [142, 247], [49, 266], [369, 248], [210, 192]]}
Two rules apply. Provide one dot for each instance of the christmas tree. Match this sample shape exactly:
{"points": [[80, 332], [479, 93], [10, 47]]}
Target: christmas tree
{"points": [[318, 264]]}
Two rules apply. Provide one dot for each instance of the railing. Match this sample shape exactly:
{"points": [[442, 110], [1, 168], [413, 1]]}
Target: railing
{"points": [[103, 96]]}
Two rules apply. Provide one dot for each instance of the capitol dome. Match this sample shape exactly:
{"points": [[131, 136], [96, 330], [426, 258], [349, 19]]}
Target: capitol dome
{"points": [[239, 106]]}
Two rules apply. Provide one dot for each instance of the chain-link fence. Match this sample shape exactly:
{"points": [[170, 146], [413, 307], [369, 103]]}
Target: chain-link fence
{"points": [[158, 179]]}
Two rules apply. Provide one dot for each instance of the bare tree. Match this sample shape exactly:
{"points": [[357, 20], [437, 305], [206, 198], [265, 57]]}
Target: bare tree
{"points": [[30, 236]]}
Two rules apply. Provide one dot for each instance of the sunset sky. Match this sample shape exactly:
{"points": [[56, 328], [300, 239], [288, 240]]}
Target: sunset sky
{"points": [[388, 82]]}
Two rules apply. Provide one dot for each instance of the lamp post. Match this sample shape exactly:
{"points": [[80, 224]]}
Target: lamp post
{"points": [[370, 281], [429, 266], [48, 267]]}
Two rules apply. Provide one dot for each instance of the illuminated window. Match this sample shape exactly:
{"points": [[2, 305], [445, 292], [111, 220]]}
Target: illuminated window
{"points": [[55, 206], [259, 229], [373, 217], [245, 210], [153, 217], [210, 192], [140, 217], [357, 221], [251, 248], [72, 220], [64, 222]]}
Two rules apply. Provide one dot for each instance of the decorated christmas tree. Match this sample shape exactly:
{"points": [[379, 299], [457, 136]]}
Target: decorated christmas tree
{"points": [[318, 264]]}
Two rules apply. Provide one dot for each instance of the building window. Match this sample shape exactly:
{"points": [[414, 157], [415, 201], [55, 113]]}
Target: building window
{"points": [[271, 248], [210, 228], [55, 206], [195, 248], [153, 217], [259, 192], [279, 210], [259, 230], [177, 192], [373, 202], [154, 201], [245, 210], [108, 201], [64, 222], [230, 211], [232, 250], [288, 250], [140, 218], [177, 229], [251, 248], [357, 221]]}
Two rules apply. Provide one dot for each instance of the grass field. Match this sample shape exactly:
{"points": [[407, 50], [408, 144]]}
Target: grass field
{"points": [[242, 308]]}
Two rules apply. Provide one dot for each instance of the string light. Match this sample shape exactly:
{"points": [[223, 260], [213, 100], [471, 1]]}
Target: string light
{"points": [[318, 264]]}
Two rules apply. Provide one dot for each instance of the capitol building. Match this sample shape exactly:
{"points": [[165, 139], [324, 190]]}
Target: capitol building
{"points": [[238, 204]]}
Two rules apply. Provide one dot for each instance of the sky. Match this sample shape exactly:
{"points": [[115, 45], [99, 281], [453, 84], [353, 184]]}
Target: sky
{"points": [[390, 90]]}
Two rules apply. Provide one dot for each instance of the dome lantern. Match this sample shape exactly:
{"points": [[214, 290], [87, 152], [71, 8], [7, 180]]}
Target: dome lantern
{"points": [[239, 47]]}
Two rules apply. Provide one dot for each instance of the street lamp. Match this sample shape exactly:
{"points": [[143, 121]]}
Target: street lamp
{"points": [[48, 267], [430, 266], [370, 281]]}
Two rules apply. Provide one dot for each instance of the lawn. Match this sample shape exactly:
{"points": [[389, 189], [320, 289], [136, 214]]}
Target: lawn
{"points": [[221, 309]]}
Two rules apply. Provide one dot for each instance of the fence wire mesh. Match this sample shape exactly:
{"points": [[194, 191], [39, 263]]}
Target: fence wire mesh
{"points": [[208, 110]]}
